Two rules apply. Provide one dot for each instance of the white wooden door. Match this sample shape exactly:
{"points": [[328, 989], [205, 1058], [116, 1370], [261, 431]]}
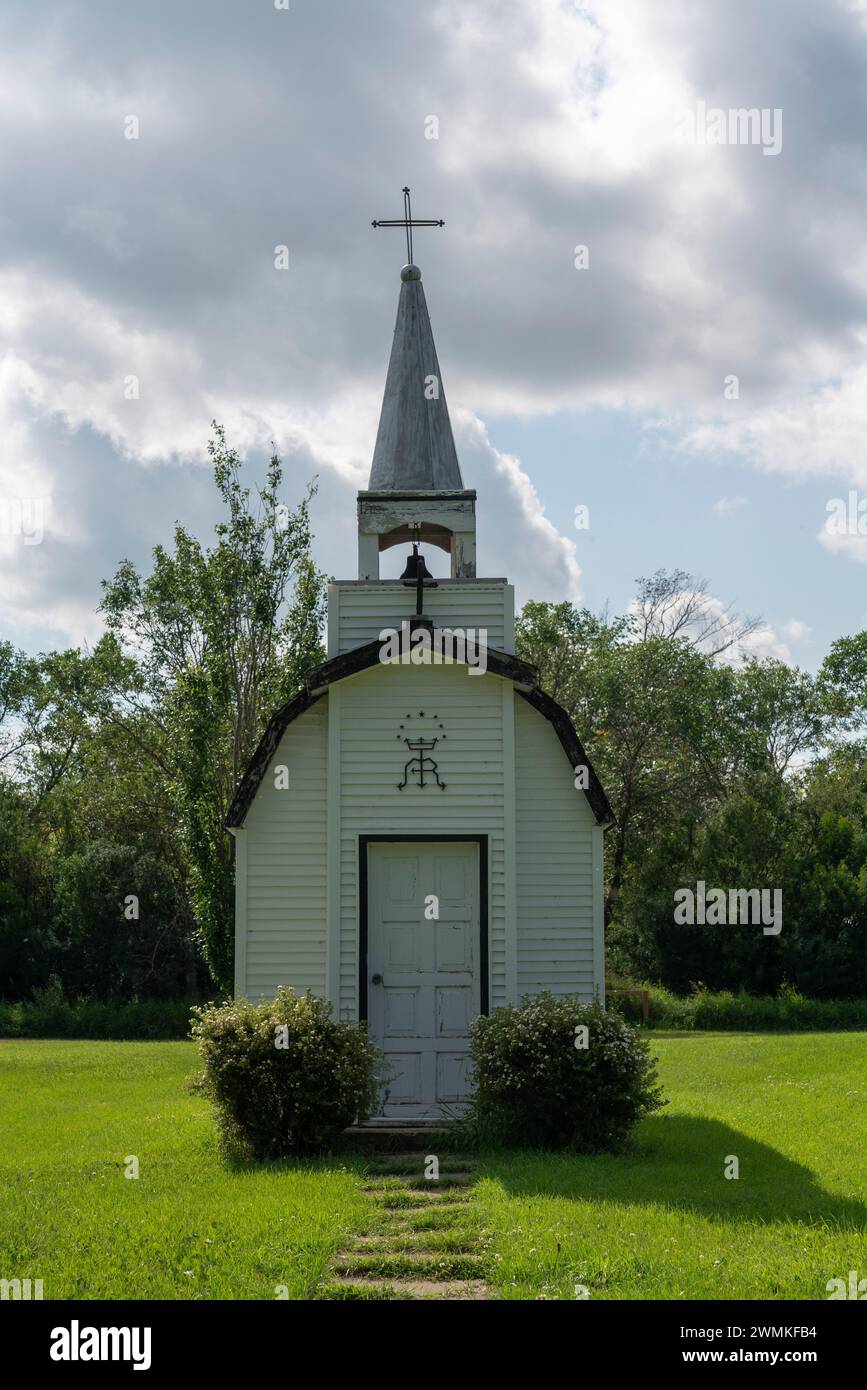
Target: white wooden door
{"points": [[423, 971]]}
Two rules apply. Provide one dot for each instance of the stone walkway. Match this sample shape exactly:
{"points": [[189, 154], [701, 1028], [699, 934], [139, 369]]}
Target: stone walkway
{"points": [[423, 1239]]}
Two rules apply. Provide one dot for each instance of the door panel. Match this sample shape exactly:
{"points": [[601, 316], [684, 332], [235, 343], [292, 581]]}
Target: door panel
{"points": [[453, 1076], [429, 993]]}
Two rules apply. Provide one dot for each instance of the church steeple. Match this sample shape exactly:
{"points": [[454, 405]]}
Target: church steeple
{"points": [[415, 449], [416, 492]]}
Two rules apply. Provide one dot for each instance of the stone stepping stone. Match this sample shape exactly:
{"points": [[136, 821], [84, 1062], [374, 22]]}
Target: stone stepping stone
{"points": [[434, 1264], [460, 1178], [414, 1163], [400, 1262], [395, 1183], [417, 1199], [413, 1243], [451, 1290]]}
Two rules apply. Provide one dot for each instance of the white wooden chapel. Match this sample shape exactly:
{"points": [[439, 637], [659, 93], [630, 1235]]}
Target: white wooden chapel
{"points": [[413, 840]]}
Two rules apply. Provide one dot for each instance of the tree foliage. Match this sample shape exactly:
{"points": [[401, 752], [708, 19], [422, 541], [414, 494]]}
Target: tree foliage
{"points": [[118, 764], [124, 759], [724, 768]]}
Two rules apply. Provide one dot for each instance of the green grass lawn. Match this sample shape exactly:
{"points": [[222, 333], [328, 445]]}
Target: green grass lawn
{"points": [[71, 1112], [662, 1222]]}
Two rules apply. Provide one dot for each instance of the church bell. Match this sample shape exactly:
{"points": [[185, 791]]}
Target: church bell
{"points": [[416, 567]]}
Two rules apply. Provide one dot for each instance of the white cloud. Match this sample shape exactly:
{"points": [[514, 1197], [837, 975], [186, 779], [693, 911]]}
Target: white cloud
{"points": [[725, 506], [760, 644], [714, 624], [540, 561], [557, 127], [852, 547], [819, 432]]}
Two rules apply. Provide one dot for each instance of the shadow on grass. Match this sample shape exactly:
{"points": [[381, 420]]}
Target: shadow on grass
{"points": [[679, 1162]]}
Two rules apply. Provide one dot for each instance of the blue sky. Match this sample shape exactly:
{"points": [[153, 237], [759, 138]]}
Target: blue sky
{"points": [[759, 551], [532, 130]]}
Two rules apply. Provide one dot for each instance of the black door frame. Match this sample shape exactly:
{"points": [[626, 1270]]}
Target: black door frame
{"points": [[363, 842]]}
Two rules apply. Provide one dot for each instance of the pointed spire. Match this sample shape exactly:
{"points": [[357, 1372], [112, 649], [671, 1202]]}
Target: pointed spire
{"points": [[415, 450]]}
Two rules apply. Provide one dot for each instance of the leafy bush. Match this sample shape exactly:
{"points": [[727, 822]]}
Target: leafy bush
{"points": [[788, 1011], [285, 1077], [49, 1014], [535, 1087], [105, 954]]}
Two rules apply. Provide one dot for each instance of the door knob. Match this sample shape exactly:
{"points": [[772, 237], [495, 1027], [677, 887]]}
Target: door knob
{"points": [[376, 980]]}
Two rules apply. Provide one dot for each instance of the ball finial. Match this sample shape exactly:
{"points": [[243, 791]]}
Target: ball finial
{"points": [[410, 272]]}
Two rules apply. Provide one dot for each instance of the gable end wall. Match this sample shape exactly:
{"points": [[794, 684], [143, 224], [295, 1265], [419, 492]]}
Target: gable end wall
{"points": [[545, 850]]}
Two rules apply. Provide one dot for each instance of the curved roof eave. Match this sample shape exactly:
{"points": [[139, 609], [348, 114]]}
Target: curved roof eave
{"points": [[319, 678]]}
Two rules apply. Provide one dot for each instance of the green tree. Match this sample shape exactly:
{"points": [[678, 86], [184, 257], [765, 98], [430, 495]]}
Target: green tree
{"points": [[648, 712], [208, 646], [700, 758], [120, 924], [27, 941], [844, 678]]}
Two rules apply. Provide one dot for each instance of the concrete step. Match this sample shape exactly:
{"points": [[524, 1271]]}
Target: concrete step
{"points": [[413, 1164], [398, 1138]]}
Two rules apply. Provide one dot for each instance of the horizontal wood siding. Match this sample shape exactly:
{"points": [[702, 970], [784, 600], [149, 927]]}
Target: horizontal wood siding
{"points": [[364, 610], [286, 831], [555, 878], [470, 759], [286, 865]]}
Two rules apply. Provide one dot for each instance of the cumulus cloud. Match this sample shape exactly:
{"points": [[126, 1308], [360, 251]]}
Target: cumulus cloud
{"points": [[760, 644], [153, 258], [711, 626], [814, 433], [526, 540]]}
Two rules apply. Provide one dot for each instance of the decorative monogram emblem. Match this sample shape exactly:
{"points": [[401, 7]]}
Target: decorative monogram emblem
{"points": [[421, 743]]}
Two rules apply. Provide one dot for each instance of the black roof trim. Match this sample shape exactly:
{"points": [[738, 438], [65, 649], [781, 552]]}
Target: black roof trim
{"points": [[350, 663], [258, 764], [574, 749]]}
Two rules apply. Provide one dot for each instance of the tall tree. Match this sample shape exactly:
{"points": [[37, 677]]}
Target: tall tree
{"points": [[844, 678], [648, 711], [673, 603], [210, 643]]}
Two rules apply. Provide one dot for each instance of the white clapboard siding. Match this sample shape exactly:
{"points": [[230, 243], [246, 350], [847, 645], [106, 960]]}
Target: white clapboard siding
{"points": [[285, 831], [555, 878], [373, 705], [544, 903], [359, 612]]}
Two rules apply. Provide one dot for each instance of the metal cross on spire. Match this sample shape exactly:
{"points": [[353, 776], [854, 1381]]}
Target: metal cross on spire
{"points": [[408, 222]]}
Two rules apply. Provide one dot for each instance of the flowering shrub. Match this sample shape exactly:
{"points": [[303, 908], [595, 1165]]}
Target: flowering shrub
{"points": [[537, 1086], [285, 1077]]}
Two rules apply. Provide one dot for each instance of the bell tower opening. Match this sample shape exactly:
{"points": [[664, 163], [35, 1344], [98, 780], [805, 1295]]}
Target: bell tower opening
{"points": [[446, 520]]}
